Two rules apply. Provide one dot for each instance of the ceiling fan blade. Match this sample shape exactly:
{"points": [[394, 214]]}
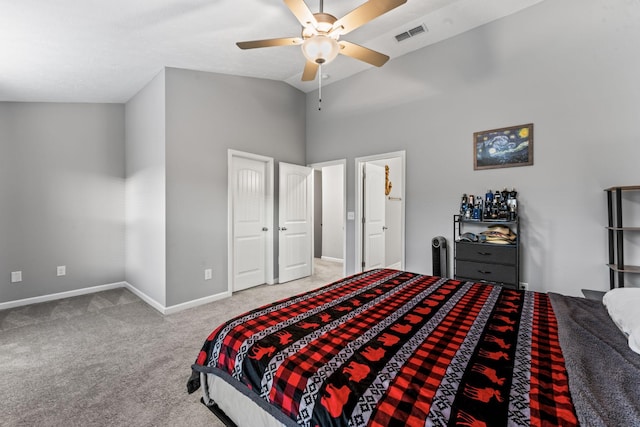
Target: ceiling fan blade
{"points": [[300, 9], [362, 53], [365, 13], [310, 71], [286, 41]]}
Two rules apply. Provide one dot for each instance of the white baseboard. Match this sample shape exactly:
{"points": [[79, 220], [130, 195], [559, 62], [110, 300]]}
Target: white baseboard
{"points": [[144, 297], [60, 295], [197, 302], [395, 266], [328, 258], [178, 307]]}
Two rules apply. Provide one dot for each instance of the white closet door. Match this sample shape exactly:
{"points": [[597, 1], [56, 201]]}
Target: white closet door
{"points": [[374, 217], [295, 222], [249, 223]]}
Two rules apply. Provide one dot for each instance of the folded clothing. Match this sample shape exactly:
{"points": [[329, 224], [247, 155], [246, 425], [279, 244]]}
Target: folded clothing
{"points": [[499, 234], [471, 237]]}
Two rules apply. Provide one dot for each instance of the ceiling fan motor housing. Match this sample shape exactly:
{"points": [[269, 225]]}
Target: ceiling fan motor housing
{"points": [[325, 22]]}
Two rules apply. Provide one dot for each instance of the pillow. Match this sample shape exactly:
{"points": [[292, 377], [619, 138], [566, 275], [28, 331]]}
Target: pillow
{"points": [[623, 305]]}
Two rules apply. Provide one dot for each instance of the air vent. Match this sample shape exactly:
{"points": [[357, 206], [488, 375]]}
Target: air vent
{"points": [[411, 33]]}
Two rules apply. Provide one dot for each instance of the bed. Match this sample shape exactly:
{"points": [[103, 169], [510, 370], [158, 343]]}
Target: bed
{"points": [[395, 348]]}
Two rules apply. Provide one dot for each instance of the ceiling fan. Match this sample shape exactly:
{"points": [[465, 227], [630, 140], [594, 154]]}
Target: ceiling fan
{"points": [[320, 38]]}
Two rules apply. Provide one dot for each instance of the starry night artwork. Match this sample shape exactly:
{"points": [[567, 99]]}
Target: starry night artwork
{"points": [[503, 148]]}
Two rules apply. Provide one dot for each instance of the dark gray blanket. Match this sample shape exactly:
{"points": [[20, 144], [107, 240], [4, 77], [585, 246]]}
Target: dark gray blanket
{"points": [[604, 374]]}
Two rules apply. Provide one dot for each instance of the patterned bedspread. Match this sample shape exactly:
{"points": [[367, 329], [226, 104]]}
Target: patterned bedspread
{"points": [[393, 348]]}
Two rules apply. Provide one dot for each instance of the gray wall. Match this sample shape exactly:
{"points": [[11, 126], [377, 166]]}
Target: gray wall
{"points": [[62, 197], [206, 115], [145, 190], [570, 67]]}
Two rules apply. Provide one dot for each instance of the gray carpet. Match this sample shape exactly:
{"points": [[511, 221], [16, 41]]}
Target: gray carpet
{"points": [[109, 359]]}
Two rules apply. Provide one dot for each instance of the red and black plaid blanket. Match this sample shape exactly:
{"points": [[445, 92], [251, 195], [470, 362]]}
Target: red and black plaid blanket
{"points": [[392, 348]]}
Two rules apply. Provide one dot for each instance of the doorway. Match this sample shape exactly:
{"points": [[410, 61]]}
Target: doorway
{"points": [[380, 208], [330, 204]]}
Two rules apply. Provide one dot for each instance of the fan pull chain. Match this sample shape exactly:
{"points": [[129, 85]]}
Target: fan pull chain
{"points": [[320, 88]]}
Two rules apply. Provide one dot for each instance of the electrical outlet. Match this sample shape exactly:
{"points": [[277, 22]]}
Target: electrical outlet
{"points": [[208, 274], [61, 270], [524, 286], [16, 276]]}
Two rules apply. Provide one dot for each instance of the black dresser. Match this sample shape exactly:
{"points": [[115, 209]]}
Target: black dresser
{"points": [[486, 262]]}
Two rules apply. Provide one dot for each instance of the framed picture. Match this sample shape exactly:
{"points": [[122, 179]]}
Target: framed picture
{"points": [[503, 148]]}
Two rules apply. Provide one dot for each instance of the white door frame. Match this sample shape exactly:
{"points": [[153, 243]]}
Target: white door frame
{"points": [[342, 162], [269, 214], [359, 162]]}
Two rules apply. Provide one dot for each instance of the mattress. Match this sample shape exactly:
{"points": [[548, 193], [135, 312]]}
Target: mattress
{"points": [[390, 347]]}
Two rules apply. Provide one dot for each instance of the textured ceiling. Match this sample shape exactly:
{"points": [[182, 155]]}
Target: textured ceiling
{"points": [[107, 50]]}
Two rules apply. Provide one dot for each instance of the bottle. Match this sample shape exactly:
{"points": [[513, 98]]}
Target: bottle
{"points": [[504, 207], [488, 197], [477, 209], [512, 202], [495, 207]]}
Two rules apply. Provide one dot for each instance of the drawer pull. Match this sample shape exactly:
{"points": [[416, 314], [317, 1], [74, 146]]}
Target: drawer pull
{"points": [[484, 272], [484, 253]]}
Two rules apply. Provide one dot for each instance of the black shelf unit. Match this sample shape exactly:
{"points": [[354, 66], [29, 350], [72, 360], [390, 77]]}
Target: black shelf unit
{"points": [[617, 266], [486, 262]]}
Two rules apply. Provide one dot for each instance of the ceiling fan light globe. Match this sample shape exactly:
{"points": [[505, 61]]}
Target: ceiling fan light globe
{"points": [[320, 49]]}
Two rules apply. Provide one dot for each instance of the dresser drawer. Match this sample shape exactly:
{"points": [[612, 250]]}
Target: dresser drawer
{"points": [[486, 252], [482, 271]]}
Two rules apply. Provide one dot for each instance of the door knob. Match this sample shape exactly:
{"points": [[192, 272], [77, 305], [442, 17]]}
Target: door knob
{"points": [[283, 228], [265, 229], [385, 228]]}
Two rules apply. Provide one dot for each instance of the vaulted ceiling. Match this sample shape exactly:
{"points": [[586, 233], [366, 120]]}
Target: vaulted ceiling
{"points": [[106, 50]]}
